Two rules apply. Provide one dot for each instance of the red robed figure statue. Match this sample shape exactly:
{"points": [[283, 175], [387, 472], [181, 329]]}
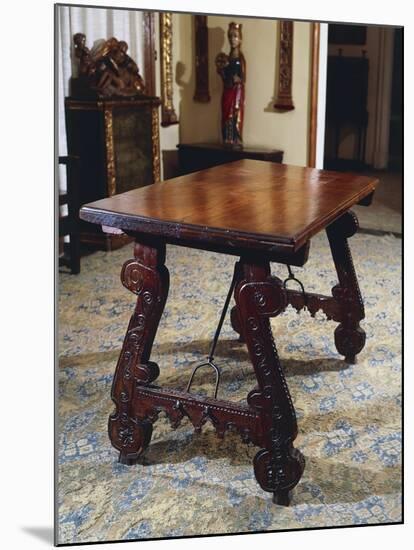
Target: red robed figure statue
{"points": [[232, 69]]}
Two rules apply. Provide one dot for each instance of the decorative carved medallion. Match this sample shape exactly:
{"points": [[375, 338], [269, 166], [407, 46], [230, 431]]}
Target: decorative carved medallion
{"points": [[168, 115], [201, 59], [284, 100]]}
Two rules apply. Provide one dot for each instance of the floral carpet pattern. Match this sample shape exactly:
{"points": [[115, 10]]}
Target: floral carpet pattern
{"points": [[349, 416]]}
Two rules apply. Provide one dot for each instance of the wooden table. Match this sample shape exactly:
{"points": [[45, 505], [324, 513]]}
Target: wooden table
{"points": [[261, 212]]}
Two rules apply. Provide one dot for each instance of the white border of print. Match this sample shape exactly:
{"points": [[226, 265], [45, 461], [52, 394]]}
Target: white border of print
{"points": [[27, 270]]}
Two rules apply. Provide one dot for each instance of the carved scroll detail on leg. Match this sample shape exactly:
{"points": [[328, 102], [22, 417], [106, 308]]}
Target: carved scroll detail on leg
{"points": [[235, 322], [349, 336], [278, 466], [146, 276]]}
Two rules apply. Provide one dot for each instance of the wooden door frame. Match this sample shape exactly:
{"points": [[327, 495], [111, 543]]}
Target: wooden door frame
{"points": [[378, 130], [314, 81], [378, 147], [317, 91]]}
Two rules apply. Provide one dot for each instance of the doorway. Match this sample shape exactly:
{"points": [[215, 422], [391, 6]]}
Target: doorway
{"points": [[363, 122]]}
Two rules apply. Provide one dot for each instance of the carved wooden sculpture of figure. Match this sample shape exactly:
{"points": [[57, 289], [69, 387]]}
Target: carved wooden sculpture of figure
{"points": [[82, 53], [127, 68], [108, 69], [232, 69]]}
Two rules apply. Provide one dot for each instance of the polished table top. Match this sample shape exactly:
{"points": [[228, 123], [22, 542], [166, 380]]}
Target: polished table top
{"points": [[242, 203]]}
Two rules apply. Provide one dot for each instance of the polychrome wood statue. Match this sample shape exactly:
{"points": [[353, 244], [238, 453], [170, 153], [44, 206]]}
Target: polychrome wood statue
{"points": [[232, 69], [108, 69]]}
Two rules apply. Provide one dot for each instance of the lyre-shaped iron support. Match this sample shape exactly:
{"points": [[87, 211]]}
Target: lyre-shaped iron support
{"points": [[210, 358]]}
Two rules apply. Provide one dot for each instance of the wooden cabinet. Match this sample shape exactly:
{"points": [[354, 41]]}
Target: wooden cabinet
{"points": [[198, 156], [117, 142]]}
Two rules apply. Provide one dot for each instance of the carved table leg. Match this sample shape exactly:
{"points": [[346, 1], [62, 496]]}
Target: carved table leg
{"points": [[278, 466], [235, 322], [147, 277], [234, 315], [349, 336]]}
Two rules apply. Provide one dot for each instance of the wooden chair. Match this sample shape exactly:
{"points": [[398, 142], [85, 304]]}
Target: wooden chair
{"points": [[69, 223]]}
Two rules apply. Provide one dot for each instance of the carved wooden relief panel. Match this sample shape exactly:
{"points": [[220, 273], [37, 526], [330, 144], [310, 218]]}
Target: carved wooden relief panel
{"points": [[284, 101], [201, 59], [168, 115]]}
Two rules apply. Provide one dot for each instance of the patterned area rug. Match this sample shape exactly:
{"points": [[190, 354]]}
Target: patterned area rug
{"points": [[349, 416]]}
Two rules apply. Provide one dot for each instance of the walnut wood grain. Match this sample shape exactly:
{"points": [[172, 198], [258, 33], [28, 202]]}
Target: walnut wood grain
{"points": [[247, 203]]}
